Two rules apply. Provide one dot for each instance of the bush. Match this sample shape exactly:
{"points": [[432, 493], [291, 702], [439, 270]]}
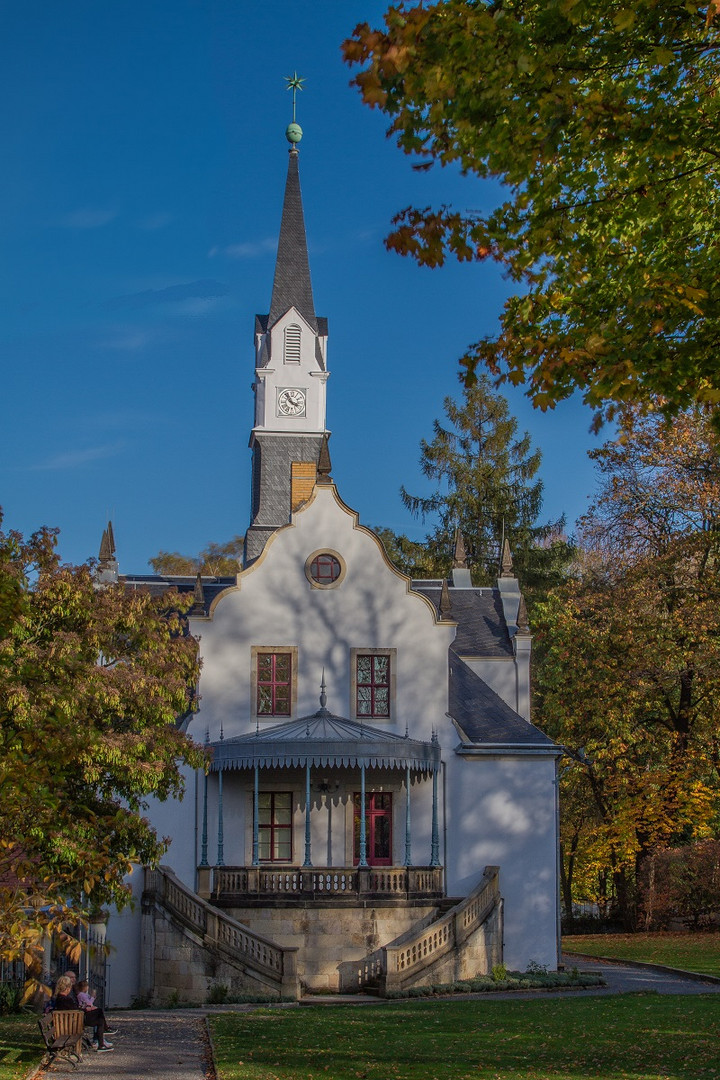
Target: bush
{"points": [[513, 980], [217, 994], [142, 1001], [681, 884], [10, 998]]}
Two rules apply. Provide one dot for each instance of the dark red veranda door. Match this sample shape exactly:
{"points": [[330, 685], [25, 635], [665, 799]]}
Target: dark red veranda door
{"points": [[378, 828]]}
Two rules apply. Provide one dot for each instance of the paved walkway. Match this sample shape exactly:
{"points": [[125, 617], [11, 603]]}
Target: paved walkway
{"points": [[172, 1045], [161, 1046], [637, 978]]}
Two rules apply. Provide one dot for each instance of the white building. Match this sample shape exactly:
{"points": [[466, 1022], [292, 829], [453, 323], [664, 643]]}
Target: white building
{"points": [[332, 682]]}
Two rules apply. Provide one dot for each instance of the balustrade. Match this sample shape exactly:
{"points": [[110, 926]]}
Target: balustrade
{"points": [[233, 884], [219, 929], [419, 948]]}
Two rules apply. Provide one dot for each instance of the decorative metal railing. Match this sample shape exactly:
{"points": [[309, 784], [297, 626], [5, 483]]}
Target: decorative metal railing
{"points": [[276, 964], [233, 884]]}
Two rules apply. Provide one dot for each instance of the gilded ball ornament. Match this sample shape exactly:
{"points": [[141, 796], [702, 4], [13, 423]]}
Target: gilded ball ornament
{"points": [[293, 133]]}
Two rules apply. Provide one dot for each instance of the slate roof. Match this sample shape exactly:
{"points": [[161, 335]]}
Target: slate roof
{"points": [[482, 630], [484, 719], [262, 322], [292, 286], [158, 585]]}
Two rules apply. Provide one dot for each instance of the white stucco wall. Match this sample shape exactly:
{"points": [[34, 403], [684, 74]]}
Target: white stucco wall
{"points": [[306, 375], [123, 936], [275, 605], [501, 810]]}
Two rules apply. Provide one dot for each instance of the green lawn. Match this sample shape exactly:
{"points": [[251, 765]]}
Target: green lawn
{"points": [[21, 1046], [624, 1037], [692, 952]]}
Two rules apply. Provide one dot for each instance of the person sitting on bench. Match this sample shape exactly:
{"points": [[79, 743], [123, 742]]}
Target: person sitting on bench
{"points": [[65, 998]]}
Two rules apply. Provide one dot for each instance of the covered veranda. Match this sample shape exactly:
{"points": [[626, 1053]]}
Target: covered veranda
{"points": [[317, 748]]}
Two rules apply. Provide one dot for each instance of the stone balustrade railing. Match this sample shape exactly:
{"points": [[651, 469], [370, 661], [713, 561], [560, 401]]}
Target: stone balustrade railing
{"points": [[233, 884], [402, 961], [276, 964]]}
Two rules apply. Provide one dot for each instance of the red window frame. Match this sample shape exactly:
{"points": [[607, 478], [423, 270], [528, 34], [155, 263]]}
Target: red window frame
{"points": [[275, 835], [274, 684], [378, 828], [375, 690], [325, 569]]}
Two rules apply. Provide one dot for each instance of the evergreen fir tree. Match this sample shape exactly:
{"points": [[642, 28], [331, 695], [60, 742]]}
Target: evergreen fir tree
{"points": [[487, 486]]}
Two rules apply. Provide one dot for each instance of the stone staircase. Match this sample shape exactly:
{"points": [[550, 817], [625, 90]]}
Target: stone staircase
{"points": [[188, 945], [460, 939]]}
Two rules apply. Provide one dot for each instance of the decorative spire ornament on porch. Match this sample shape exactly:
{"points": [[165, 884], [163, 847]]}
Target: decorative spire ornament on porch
{"points": [[198, 606], [323, 465], [522, 617]]}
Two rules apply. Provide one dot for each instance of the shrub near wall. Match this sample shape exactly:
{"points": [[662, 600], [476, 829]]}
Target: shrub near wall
{"points": [[682, 885]]}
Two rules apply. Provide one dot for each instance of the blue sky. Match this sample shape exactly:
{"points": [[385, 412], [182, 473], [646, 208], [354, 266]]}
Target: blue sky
{"points": [[144, 168]]}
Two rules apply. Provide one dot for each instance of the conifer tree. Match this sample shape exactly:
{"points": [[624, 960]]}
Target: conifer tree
{"points": [[487, 486]]}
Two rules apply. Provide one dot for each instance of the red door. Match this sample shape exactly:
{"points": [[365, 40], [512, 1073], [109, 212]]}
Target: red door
{"points": [[378, 828]]}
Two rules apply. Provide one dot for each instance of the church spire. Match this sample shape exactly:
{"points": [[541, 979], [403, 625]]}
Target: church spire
{"points": [[292, 287], [290, 375]]}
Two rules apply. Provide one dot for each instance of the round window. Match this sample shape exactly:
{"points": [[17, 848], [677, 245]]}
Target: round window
{"points": [[325, 569]]}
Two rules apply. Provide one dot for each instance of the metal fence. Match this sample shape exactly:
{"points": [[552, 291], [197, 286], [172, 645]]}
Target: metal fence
{"points": [[12, 973], [92, 965]]}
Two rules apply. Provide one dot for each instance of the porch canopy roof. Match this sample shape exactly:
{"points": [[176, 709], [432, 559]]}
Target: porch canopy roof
{"points": [[324, 740]]}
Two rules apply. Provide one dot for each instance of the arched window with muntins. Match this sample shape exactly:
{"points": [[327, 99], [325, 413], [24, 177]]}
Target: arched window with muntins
{"points": [[291, 346]]}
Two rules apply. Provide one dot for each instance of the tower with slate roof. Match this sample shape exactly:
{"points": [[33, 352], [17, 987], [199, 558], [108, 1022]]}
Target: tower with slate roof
{"points": [[290, 379]]}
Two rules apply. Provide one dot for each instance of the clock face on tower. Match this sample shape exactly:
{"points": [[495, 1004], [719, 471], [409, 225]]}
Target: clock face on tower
{"points": [[291, 402]]}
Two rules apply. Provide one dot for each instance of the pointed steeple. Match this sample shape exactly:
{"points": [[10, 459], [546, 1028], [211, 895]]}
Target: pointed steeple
{"points": [[198, 606], [459, 554], [445, 607], [292, 287], [107, 567], [323, 464], [506, 563], [107, 547]]}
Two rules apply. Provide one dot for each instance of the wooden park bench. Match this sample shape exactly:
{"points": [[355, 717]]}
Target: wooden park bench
{"points": [[62, 1033]]}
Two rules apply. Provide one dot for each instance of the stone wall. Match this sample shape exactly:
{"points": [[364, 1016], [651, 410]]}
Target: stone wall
{"points": [[476, 955], [333, 941], [176, 964]]}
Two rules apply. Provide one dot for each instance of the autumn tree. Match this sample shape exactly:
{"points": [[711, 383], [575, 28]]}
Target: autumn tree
{"points": [[599, 119], [486, 480], [215, 560], [93, 681], [628, 673]]}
